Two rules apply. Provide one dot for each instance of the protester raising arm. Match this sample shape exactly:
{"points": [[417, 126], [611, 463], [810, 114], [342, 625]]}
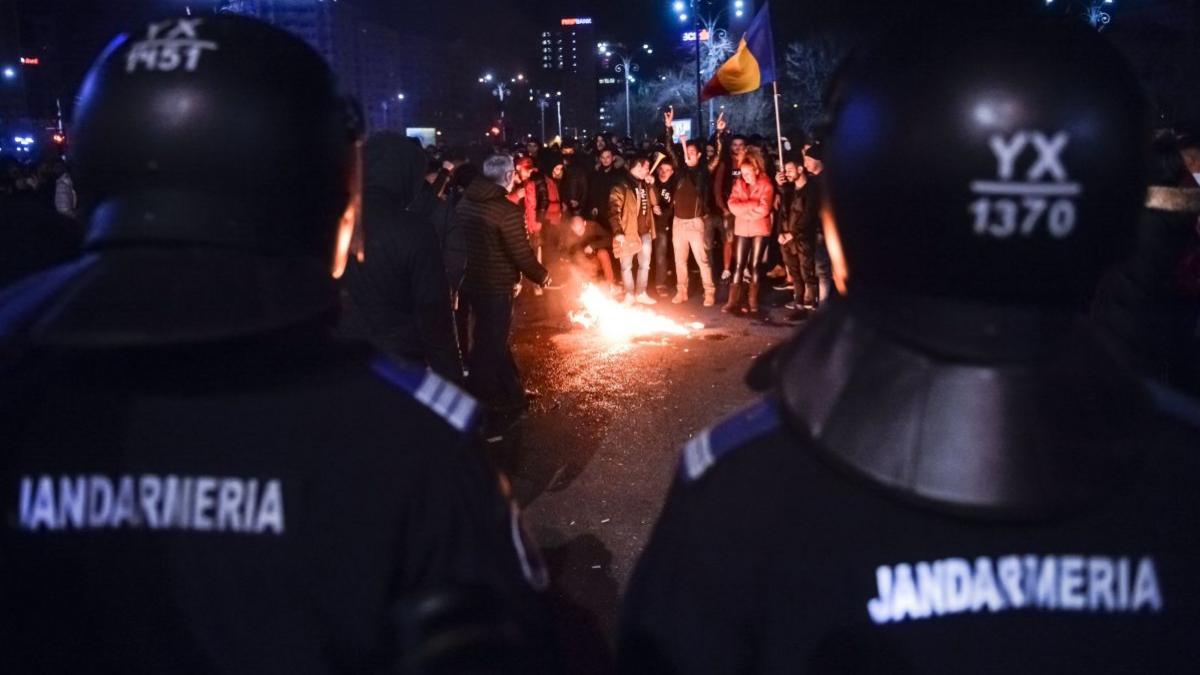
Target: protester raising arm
{"points": [[668, 137]]}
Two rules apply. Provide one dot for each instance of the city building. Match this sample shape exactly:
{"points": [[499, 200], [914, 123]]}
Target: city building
{"points": [[363, 54], [568, 61], [30, 76], [403, 81]]}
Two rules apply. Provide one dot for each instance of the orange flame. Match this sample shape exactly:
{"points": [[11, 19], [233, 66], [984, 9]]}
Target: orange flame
{"points": [[619, 322]]}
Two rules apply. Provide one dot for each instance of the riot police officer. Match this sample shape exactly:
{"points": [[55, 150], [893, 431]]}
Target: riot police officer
{"points": [[951, 472], [196, 477]]}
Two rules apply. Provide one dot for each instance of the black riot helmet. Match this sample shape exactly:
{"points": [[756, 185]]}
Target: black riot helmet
{"points": [[986, 158], [219, 172]]}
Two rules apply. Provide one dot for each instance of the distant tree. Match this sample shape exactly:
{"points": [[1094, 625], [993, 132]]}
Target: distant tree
{"points": [[649, 97], [716, 49], [808, 67]]}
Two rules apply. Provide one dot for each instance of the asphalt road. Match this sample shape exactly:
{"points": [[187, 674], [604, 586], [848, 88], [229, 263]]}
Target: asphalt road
{"points": [[592, 462]]}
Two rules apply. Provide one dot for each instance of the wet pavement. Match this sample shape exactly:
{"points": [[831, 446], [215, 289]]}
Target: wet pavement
{"points": [[592, 462]]}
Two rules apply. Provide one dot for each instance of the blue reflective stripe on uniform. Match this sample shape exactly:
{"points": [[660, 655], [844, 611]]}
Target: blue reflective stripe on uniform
{"points": [[427, 390], [463, 415], [445, 399], [24, 302], [724, 437], [1175, 404]]}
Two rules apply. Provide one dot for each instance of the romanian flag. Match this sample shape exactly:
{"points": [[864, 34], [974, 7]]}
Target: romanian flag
{"points": [[751, 66]]}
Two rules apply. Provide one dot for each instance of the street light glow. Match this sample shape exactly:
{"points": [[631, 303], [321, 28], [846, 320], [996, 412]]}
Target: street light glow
{"points": [[678, 6], [9, 72], [683, 17], [399, 97]]}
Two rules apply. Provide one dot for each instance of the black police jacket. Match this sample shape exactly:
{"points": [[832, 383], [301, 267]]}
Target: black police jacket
{"points": [[264, 505], [877, 512]]}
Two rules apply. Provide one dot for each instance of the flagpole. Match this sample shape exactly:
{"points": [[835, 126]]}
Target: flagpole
{"points": [[778, 127]]}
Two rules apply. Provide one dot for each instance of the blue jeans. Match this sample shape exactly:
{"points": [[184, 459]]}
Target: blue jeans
{"points": [[643, 277]]}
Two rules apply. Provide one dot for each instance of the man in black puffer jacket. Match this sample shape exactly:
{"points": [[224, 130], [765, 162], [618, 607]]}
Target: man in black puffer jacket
{"points": [[498, 254]]}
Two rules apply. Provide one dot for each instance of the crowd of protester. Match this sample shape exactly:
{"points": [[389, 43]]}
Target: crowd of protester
{"points": [[452, 235], [37, 217], [626, 213]]}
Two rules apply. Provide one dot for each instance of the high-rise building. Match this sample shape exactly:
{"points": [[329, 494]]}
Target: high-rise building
{"points": [[363, 54], [310, 21], [568, 64], [401, 80]]}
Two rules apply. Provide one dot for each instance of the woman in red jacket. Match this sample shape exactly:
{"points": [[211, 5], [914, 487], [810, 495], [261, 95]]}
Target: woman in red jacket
{"points": [[750, 202]]}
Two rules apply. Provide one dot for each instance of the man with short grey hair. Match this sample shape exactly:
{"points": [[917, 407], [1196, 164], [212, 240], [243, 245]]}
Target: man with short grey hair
{"points": [[498, 254], [500, 170]]}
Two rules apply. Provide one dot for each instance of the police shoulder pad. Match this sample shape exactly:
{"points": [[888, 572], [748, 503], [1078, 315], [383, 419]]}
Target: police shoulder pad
{"points": [[455, 406], [731, 433]]}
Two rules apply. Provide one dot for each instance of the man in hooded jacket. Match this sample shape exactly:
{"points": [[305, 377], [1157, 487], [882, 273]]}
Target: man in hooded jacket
{"points": [[398, 296]]}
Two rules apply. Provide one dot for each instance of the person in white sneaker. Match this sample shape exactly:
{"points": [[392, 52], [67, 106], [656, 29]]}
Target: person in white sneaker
{"points": [[631, 212], [691, 207]]}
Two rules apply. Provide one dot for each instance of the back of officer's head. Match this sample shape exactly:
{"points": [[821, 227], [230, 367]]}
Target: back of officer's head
{"points": [[216, 132], [981, 157]]}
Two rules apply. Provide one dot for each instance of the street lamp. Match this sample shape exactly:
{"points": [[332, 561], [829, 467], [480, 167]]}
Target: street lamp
{"points": [[627, 68], [542, 104], [500, 91], [9, 72], [702, 26]]}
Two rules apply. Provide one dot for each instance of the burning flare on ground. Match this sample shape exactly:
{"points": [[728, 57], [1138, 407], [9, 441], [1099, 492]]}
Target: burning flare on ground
{"points": [[617, 321]]}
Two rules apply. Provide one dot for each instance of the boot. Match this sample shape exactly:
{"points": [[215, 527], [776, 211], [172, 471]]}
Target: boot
{"points": [[753, 298], [735, 299]]}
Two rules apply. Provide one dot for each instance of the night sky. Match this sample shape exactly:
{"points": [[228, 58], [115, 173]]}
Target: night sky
{"points": [[500, 24], [495, 22], [513, 25]]}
